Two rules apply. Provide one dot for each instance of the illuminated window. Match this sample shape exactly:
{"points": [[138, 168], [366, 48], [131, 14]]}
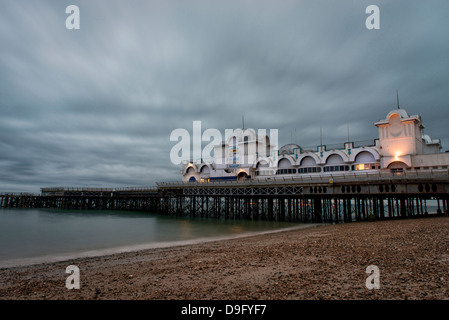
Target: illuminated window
{"points": [[365, 166]]}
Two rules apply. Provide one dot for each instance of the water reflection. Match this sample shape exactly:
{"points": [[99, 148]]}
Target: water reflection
{"points": [[36, 232]]}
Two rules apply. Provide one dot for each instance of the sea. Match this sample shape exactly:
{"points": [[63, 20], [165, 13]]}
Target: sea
{"points": [[30, 236]]}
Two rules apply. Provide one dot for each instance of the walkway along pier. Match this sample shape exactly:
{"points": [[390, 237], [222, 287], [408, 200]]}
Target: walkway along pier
{"points": [[325, 198], [85, 199]]}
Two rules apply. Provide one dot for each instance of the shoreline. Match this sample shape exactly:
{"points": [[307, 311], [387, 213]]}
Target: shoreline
{"points": [[327, 263], [61, 257]]}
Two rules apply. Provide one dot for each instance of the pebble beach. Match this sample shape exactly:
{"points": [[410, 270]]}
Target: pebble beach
{"points": [[320, 262]]}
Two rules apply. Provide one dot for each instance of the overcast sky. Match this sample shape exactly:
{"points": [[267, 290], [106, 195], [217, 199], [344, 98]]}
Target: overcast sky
{"points": [[96, 106]]}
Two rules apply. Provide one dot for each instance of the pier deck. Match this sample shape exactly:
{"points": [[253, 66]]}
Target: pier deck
{"points": [[324, 198]]}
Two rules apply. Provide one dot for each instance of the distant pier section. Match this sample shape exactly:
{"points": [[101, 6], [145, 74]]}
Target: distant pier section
{"points": [[133, 198]]}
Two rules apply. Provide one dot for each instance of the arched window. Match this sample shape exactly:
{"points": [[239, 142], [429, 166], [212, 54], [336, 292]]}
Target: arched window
{"points": [[205, 170], [397, 166], [285, 167], [335, 163], [284, 163], [241, 176], [308, 162], [334, 159], [262, 164], [308, 165], [365, 161]]}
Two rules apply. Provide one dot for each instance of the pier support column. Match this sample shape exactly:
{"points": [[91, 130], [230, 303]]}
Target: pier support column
{"points": [[317, 209], [403, 207], [335, 210], [270, 209]]}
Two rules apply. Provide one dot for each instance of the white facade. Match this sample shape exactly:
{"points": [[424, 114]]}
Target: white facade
{"points": [[401, 146]]}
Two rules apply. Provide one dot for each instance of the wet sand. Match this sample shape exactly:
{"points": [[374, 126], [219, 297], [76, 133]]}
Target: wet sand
{"points": [[325, 262]]}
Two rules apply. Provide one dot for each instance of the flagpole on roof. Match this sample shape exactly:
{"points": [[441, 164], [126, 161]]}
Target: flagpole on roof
{"points": [[397, 98]]}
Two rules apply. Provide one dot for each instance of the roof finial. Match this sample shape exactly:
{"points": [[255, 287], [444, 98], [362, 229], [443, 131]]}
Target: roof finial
{"points": [[397, 98], [243, 122], [321, 136], [348, 132]]}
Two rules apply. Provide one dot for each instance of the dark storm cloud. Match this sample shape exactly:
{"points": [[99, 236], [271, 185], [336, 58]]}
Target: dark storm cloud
{"points": [[96, 106]]}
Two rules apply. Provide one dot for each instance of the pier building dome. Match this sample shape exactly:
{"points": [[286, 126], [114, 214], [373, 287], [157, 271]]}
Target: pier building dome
{"points": [[289, 149]]}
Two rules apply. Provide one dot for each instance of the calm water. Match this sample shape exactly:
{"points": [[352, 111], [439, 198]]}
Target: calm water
{"points": [[26, 233]]}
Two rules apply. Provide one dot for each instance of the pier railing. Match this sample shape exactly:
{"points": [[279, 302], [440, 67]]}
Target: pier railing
{"points": [[328, 197], [3, 194], [88, 189], [434, 175]]}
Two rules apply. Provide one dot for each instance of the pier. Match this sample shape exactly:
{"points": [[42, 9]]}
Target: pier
{"points": [[332, 198], [401, 174], [145, 199]]}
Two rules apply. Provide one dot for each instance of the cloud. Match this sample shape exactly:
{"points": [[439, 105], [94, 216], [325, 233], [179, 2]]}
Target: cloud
{"points": [[96, 106]]}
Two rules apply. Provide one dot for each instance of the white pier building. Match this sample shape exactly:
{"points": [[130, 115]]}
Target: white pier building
{"points": [[401, 146]]}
